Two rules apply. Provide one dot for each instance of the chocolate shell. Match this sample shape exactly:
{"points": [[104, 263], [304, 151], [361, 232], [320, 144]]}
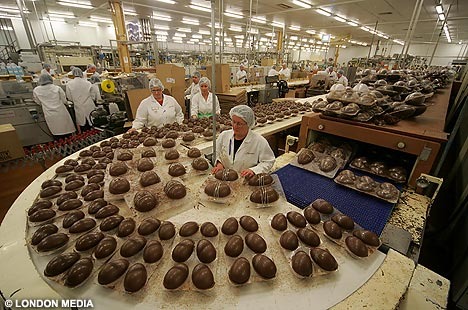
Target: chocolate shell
{"points": [[322, 206], [202, 277], [368, 237], [166, 230], [148, 226], [88, 241], [150, 141], [112, 271], [64, 169], [234, 246], [217, 189], [183, 250], [50, 183], [264, 195], [148, 153], [73, 177], [65, 197], [82, 168], [135, 278], [311, 215], [52, 242], [96, 205], [305, 156], [264, 266], [39, 205], [153, 252], [132, 246], [226, 175], [239, 273], [124, 156], [255, 242], [230, 226], [119, 185], [194, 152], [82, 225], [327, 164], [332, 230], [71, 162], [42, 232], [89, 188], [188, 229], [248, 223], [96, 179], [171, 155], [106, 211], [200, 164], [168, 143], [208, 229], [50, 191], [71, 217], [206, 252], [70, 205], [343, 221], [302, 264], [261, 179], [188, 137], [42, 215], [176, 276], [308, 236], [126, 227], [149, 178], [324, 259], [61, 263], [356, 246], [111, 222], [279, 222], [105, 248], [176, 170], [289, 241], [74, 185], [175, 189], [145, 201], [296, 219], [118, 168]]}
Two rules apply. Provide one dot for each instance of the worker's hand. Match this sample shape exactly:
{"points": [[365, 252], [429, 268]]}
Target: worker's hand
{"points": [[78, 129], [218, 167], [131, 130], [247, 173], [194, 117]]}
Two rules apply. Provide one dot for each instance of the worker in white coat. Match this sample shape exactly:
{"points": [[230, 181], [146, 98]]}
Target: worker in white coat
{"points": [[273, 71], [194, 88], [90, 69], [241, 75], [285, 71], [242, 149], [81, 93], [158, 109], [52, 99], [202, 103], [95, 81], [341, 79], [47, 69]]}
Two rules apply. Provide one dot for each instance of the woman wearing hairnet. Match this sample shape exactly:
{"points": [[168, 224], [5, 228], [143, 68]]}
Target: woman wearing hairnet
{"points": [[203, 101], [96, 84], [81, 93], [241, 148], [194, 88], [52, 99], [157, 109], [47, 69]]}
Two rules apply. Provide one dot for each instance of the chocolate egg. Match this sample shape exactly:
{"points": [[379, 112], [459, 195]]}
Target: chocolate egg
{"points": [[327, 163], [255, 242], [302, 264], [226, 175], [124, 156], [305, 156], [135, 278], [70, 204], [118, 168], [324, 259], [145, 164], [206, 252], [194, 152], [176, 276], [289, 241], [39, 205], [71, 217], [42, 215], [42, 232], [230, 226], [239, 273], [95, 179], [264, 266], [279, 222], [208, 229], [308, 236], [188, 229], [200, 164], [311, 215], [148, 226], [119, 185], [183, 250], [82, 168], [248, 223], [217, 189], [168, 143], [264, 195], [149, 178], [65, 197], [261, 179], [145, 201], [234, 246], [87, 161], [105, 247], [82, 225], [176, 170], [332, 229], [88, 241], [73, 177], [148, 153], [166, 230], [100, 167], [153, 252], [71, 162], [126, 227], [368, 237], [343, 221], [175, 189], [188, 137], [112, 270], [61, 263], [64, 169], [106, 211], [202, 277], [111, 222], [50, 191], [296, 219], [356, 246], [150, 141], [322, 206], [50, 183], [171, 155], [132, 246], [85, 153], [52, 242], [98, 154], [89, 188]]}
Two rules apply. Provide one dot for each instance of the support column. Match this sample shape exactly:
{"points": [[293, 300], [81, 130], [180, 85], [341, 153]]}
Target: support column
{"points": [[121, 35], [279, 47], [32, 44]]}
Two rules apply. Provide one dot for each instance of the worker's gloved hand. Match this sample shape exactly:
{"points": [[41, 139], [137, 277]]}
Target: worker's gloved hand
{"points": [[247, 173], [131, 130], [219, 166]]}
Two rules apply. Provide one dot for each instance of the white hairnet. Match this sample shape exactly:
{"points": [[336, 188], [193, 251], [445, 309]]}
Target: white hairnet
{"points": [[340, 71], [244, 112], [46, 66], [154, 82], [77, 72], [95, 79], [91, 66], [205, 80], [273, 67], [197, 74], [45, 79], [330, 69]]}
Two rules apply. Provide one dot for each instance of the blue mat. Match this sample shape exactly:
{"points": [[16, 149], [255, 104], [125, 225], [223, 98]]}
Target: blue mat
{"points": [[302, 187]]}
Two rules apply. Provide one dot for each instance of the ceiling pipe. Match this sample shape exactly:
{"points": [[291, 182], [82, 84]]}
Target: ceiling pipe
{"points": [[213, 77]]}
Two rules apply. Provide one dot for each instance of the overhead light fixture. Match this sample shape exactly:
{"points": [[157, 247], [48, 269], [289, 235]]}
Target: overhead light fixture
{"points": [[217, 25], [100, 19], [88, 24], [277, 24], [295, 28], [190, 21], [161, 33], [56, 19], [302, 4], [439, 9], [259, 19], [200, 7], [352, 23], [293, 38], [161, 38], [180, 35], [206, 32], [161, 27], [442, 17], [161, 17], [340, 19], [323, 12], [233, 14], [253, 31], [130, 13], [197, 36], [76, 4], [167, 1], [13, 9], [310, 31], [184, 29], [235, 28], [270, 34]]}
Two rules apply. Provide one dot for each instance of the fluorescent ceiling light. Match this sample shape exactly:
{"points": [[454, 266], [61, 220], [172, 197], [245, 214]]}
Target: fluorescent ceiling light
{"points": [[259, 19], [160, 17], [270, 34], [199, 7], [167, 1], [76, 4], [202, 31], [304, 40], [352, 23], [13, 9], [235, 28], [442, 17], [310, 31], [311, 41], [161, 27], [88, 24], [295, 28], [56, 19], [197, 36], [190, 21], [439, 9], [233, 14], [100, 19], [277, 24], [301, 4], [161, 33], [293, 38], [253, 31], [130, 13], [180, 35], [340, 19], [323, 12], [161, 38], [184, 29]]}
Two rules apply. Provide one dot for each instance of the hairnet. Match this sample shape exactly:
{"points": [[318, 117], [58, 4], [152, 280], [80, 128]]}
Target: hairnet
{"points": [[244, 112], [95, 79], [46, 66], [273, 67], [340, 71], [205, 80], [154, 82], [197, 74], [45, 79], [330, 69], [91, 66], [77, 72]]}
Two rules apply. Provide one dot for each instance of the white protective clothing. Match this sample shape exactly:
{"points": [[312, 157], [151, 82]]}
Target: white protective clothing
{"points": [[52, 71], [52, 99], [286, 72], [151, 113], [241, 76], [343, 80], [203, 108], [273, 72], [192, 90], [254, 153], [83, 95]]}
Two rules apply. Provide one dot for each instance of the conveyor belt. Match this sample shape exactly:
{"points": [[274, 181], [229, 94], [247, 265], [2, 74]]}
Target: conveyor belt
{"points": [[301, 187]]}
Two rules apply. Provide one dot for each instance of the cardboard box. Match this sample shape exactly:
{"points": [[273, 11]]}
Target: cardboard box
{"points": [[290, 94], [173, 79], [300, 92], [268, 62], [10, 145], [223, 77], [135, 96]]}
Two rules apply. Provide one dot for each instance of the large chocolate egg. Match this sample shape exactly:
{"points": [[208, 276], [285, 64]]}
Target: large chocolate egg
{"points": [[234, 246], [70, 204], [368, 237], [148, 153], [200, 164], [126, 227], [308, 236], [302, 264], [132, 246], [324, 259], [168, 143], [124, 156], [261, 179], [183, 250], [105, 248], [42, 232], [255, 242], [305, 156], [264, 195], [52, 242], [296, 219], [150, 141], [356, 246], [217, 189], [145, 201], [208, 229], [176, 276], [332, 229], [79, 272], [118, 168], [49, 191], [171, 155], [279, 222], [41, 204], [322, 206], [82, 225], [166, 230], [88, 241], [106, 211], [289, 241], [264, 266], [188, 137], [119, 185], [230, 226], [226, 175], [343, 221], [61, 263], [153, 252], [145, 164], [148, 226], [202, 277], [239, 273], [194, 152], [206, 252], [311, 215], [188, 229], [327, 163], [176, 170], [175, 189], [111, 222], [135, 278], [112, 270], [42, 215], [248, 223], [149, 178]]}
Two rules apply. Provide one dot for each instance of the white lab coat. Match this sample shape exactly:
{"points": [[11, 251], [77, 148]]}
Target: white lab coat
{"points": [[95, 88], [342, 80], [333, 76], [52, 71], [52, 99], [151, 113], [81, 93], [286, 72], [273, 72], [192, 90], [201, 106], [241, 76], [254, 153]]}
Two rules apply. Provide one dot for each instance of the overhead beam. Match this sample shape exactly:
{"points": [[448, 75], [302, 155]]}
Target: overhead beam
{"points": [[121, 35]]}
